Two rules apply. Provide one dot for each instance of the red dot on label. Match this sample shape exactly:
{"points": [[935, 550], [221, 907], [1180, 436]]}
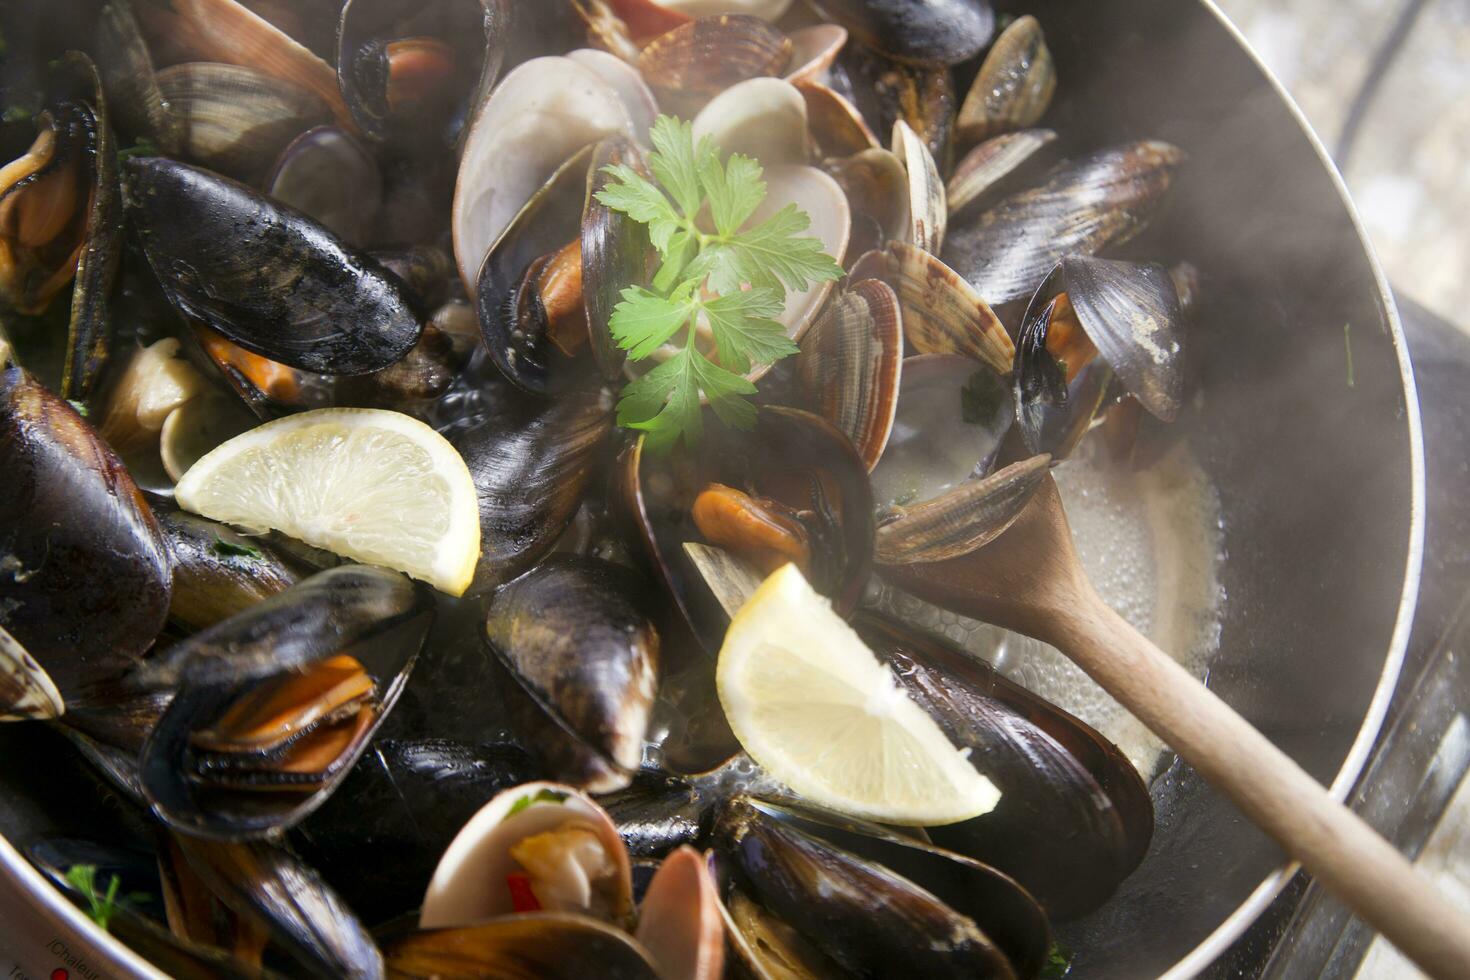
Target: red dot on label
{"points": [[60, 973]]}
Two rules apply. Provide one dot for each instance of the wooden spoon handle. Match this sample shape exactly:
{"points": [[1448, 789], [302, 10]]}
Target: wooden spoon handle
{"points": [[1332, 843]]}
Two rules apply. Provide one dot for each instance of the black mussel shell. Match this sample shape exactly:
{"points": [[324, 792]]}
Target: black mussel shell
{"points": [[532, 461], [926, 32], [1053, 413], [1074, 818], [85, 580], [873, 921], [1082, 207], [469, 39], [378, 617], [218, 571], [402, 805], [528, 946], [793, 458], [267, 277], [616, 251], [264, 881], [575, 635], [657, 813], [513, 321]]}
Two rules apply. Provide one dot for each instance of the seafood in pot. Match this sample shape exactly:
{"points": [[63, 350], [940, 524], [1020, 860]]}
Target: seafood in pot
{"points": [[396, 541]]}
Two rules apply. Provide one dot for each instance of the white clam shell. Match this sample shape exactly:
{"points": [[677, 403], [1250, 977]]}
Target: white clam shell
{"points": [[28, 689], [763, 118], [469, 884], [764, 9], [813, 49], [624, 79], [819, 196], [539, 115]]}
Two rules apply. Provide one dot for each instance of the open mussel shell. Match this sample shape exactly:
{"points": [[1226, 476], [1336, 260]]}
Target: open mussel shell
{"points": [[26, 690], [1059, 381], [531, 946], [925, 32], [218, 571], [86, 579], [616, 252], [992, 166], [1014, 86], [274, 705], [515, 324], [942, 312], [539, 115], [328, 175], [886, 91], [1074, 818], [877, 904], [961, 519], [679, 921], [692, 63], [235, 120], [229, 32], [267, 277], [792, 462], [850, 364], [531, 460], [1082, 207], [951, 417], [1132, 313], [472, 883], [267, 388], [265, 882], [575, 636], [412, 68], [764, 118], [403, 804]]}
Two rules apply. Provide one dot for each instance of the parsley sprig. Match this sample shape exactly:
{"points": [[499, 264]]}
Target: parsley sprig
{"points": [[712, 271], [101, 907]]}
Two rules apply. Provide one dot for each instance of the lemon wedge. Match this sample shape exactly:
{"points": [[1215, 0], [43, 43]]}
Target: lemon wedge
{"points": [[376, 486], [812, 705]]}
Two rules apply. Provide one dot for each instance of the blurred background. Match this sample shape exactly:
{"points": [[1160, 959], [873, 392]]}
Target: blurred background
{"points": [[1386, 84]]}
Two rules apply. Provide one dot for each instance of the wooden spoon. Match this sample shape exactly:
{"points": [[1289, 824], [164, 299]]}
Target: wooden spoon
{"points": [[1030, 581]]}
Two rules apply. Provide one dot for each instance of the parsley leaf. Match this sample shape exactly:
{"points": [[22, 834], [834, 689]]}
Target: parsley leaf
{"points": [[717, 281], [1058, 962], [541, 796], [100, 908], [228, 549]]}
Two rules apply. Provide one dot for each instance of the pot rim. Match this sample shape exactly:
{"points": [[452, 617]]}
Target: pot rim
{"points": [[1217, 942]]}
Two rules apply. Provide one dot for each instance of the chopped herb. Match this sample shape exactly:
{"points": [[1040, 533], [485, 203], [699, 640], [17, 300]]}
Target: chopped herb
{"points": [[908, 496], [143, 148], [1347, 341], [540, 796], [100, 908], [1058, 962], [228, 549], [81, 407], [980, 399], [15, 113], [731, 279]]}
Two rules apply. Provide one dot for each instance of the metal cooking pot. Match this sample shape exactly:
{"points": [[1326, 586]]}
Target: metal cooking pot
{"points": [[1308, 426]]}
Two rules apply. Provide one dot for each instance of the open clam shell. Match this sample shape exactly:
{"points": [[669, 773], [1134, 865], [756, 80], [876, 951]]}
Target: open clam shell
{"points": [[1014, 86], [876, 185], [624, 79], [539, 115], [233, 119], [313, 670], [837, 127], [928, 209], [692, 63], [679, 921], [960, 520], [470, 884], [813, 50], [819, 196], [983, 172], [764, 118], [26, 690], [1084, 206], [850, 364], [575, 637]]}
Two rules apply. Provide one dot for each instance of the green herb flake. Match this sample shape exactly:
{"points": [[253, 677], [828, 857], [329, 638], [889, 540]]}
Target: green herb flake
{"points": [[228, 549], [1347, 342], [143, 148], [81, 407], [100, 908], [15, 113], [730, 281], [540, 796], [980, 399], [1058, 962]]}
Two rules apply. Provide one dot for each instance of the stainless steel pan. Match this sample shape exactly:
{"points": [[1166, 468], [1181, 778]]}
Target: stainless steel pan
{"points": [[1319, 470]]}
